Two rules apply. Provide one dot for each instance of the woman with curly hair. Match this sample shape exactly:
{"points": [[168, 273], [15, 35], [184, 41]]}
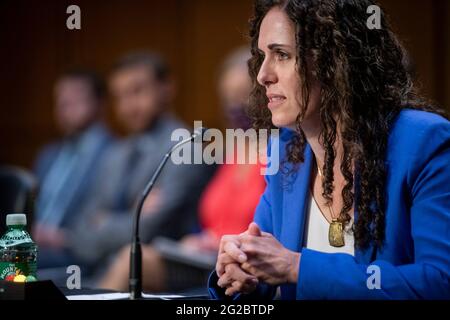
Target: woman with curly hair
{"points": [[361, 209]]}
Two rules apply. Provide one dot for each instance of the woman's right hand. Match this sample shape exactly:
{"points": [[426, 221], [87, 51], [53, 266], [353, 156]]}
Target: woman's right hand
{"points": [[235, 280], [230, 257], [229, 253]]}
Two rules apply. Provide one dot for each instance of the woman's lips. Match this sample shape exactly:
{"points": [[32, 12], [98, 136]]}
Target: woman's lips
{"points": [[275, 101]]}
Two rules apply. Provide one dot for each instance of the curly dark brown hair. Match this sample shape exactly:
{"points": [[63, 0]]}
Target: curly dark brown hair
{"points": [[366, 81]]}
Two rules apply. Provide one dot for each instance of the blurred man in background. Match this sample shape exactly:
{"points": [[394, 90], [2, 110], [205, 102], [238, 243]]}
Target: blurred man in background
{"points": [[66, 169], [142, 90], [227, 204]]}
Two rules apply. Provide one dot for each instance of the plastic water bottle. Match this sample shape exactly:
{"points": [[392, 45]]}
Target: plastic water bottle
{"points": [[18, 252]]}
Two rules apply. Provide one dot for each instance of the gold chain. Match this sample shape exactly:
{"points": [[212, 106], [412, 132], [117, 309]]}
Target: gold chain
{"points": [[336, 230], [330, 208]]}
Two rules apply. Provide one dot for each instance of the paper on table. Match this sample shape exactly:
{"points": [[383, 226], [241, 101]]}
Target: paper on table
{"points": [[102, 296], [120, 296], [162, 296]]}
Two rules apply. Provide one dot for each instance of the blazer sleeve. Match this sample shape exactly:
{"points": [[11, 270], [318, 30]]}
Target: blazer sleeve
{"points": [[339, 276]]}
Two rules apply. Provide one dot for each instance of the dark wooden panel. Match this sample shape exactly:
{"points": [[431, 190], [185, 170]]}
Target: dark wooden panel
{"points": [[194, 35]]}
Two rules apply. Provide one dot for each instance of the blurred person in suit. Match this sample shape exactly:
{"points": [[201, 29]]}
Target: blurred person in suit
{"points": [[142, 89], [227, 204], [66, 169]]}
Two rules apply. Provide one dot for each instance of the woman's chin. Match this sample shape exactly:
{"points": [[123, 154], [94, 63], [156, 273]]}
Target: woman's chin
{"points": [[280, 121]]}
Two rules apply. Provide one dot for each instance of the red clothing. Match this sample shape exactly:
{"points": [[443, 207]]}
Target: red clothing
{"points": [[230, 199]]}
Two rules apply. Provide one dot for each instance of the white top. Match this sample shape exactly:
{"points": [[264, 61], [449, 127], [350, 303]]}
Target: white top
{"points": [[317, 232]]}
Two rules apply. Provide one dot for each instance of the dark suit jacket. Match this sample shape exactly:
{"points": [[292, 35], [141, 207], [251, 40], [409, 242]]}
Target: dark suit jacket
{"points": [[179, 187], [94, 141]]}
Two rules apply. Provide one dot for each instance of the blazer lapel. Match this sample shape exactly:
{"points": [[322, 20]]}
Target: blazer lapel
{"points": [[295, 204]]}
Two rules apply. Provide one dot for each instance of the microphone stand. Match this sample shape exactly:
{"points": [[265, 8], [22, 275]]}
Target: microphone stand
{"points": [[135, 278]]}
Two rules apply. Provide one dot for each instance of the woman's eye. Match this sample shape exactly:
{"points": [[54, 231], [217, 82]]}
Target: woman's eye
{"points": [[282, 55]]}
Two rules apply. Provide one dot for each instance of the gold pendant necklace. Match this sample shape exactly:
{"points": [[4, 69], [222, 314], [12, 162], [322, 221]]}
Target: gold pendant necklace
{"points": [[336, 234], [336, 229]]}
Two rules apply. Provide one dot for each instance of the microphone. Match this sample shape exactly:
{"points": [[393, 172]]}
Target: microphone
{"points": [[135, 278]]}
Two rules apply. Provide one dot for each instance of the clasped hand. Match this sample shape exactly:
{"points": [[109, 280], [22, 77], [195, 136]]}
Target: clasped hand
{"points": [[253, 256]]}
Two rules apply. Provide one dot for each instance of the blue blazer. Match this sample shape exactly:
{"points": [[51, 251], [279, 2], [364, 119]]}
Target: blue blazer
{"points": [[414, 263]]}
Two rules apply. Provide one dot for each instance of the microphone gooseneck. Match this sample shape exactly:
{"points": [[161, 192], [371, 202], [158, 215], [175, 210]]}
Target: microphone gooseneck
{"points": [[135, 279]]}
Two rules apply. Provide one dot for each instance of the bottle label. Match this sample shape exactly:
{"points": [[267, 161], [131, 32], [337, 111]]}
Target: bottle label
{"points": [[18, 255], [9, 270], [14, 242]]}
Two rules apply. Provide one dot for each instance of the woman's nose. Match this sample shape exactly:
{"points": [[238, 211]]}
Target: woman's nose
{"points": [[266, 75]]}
